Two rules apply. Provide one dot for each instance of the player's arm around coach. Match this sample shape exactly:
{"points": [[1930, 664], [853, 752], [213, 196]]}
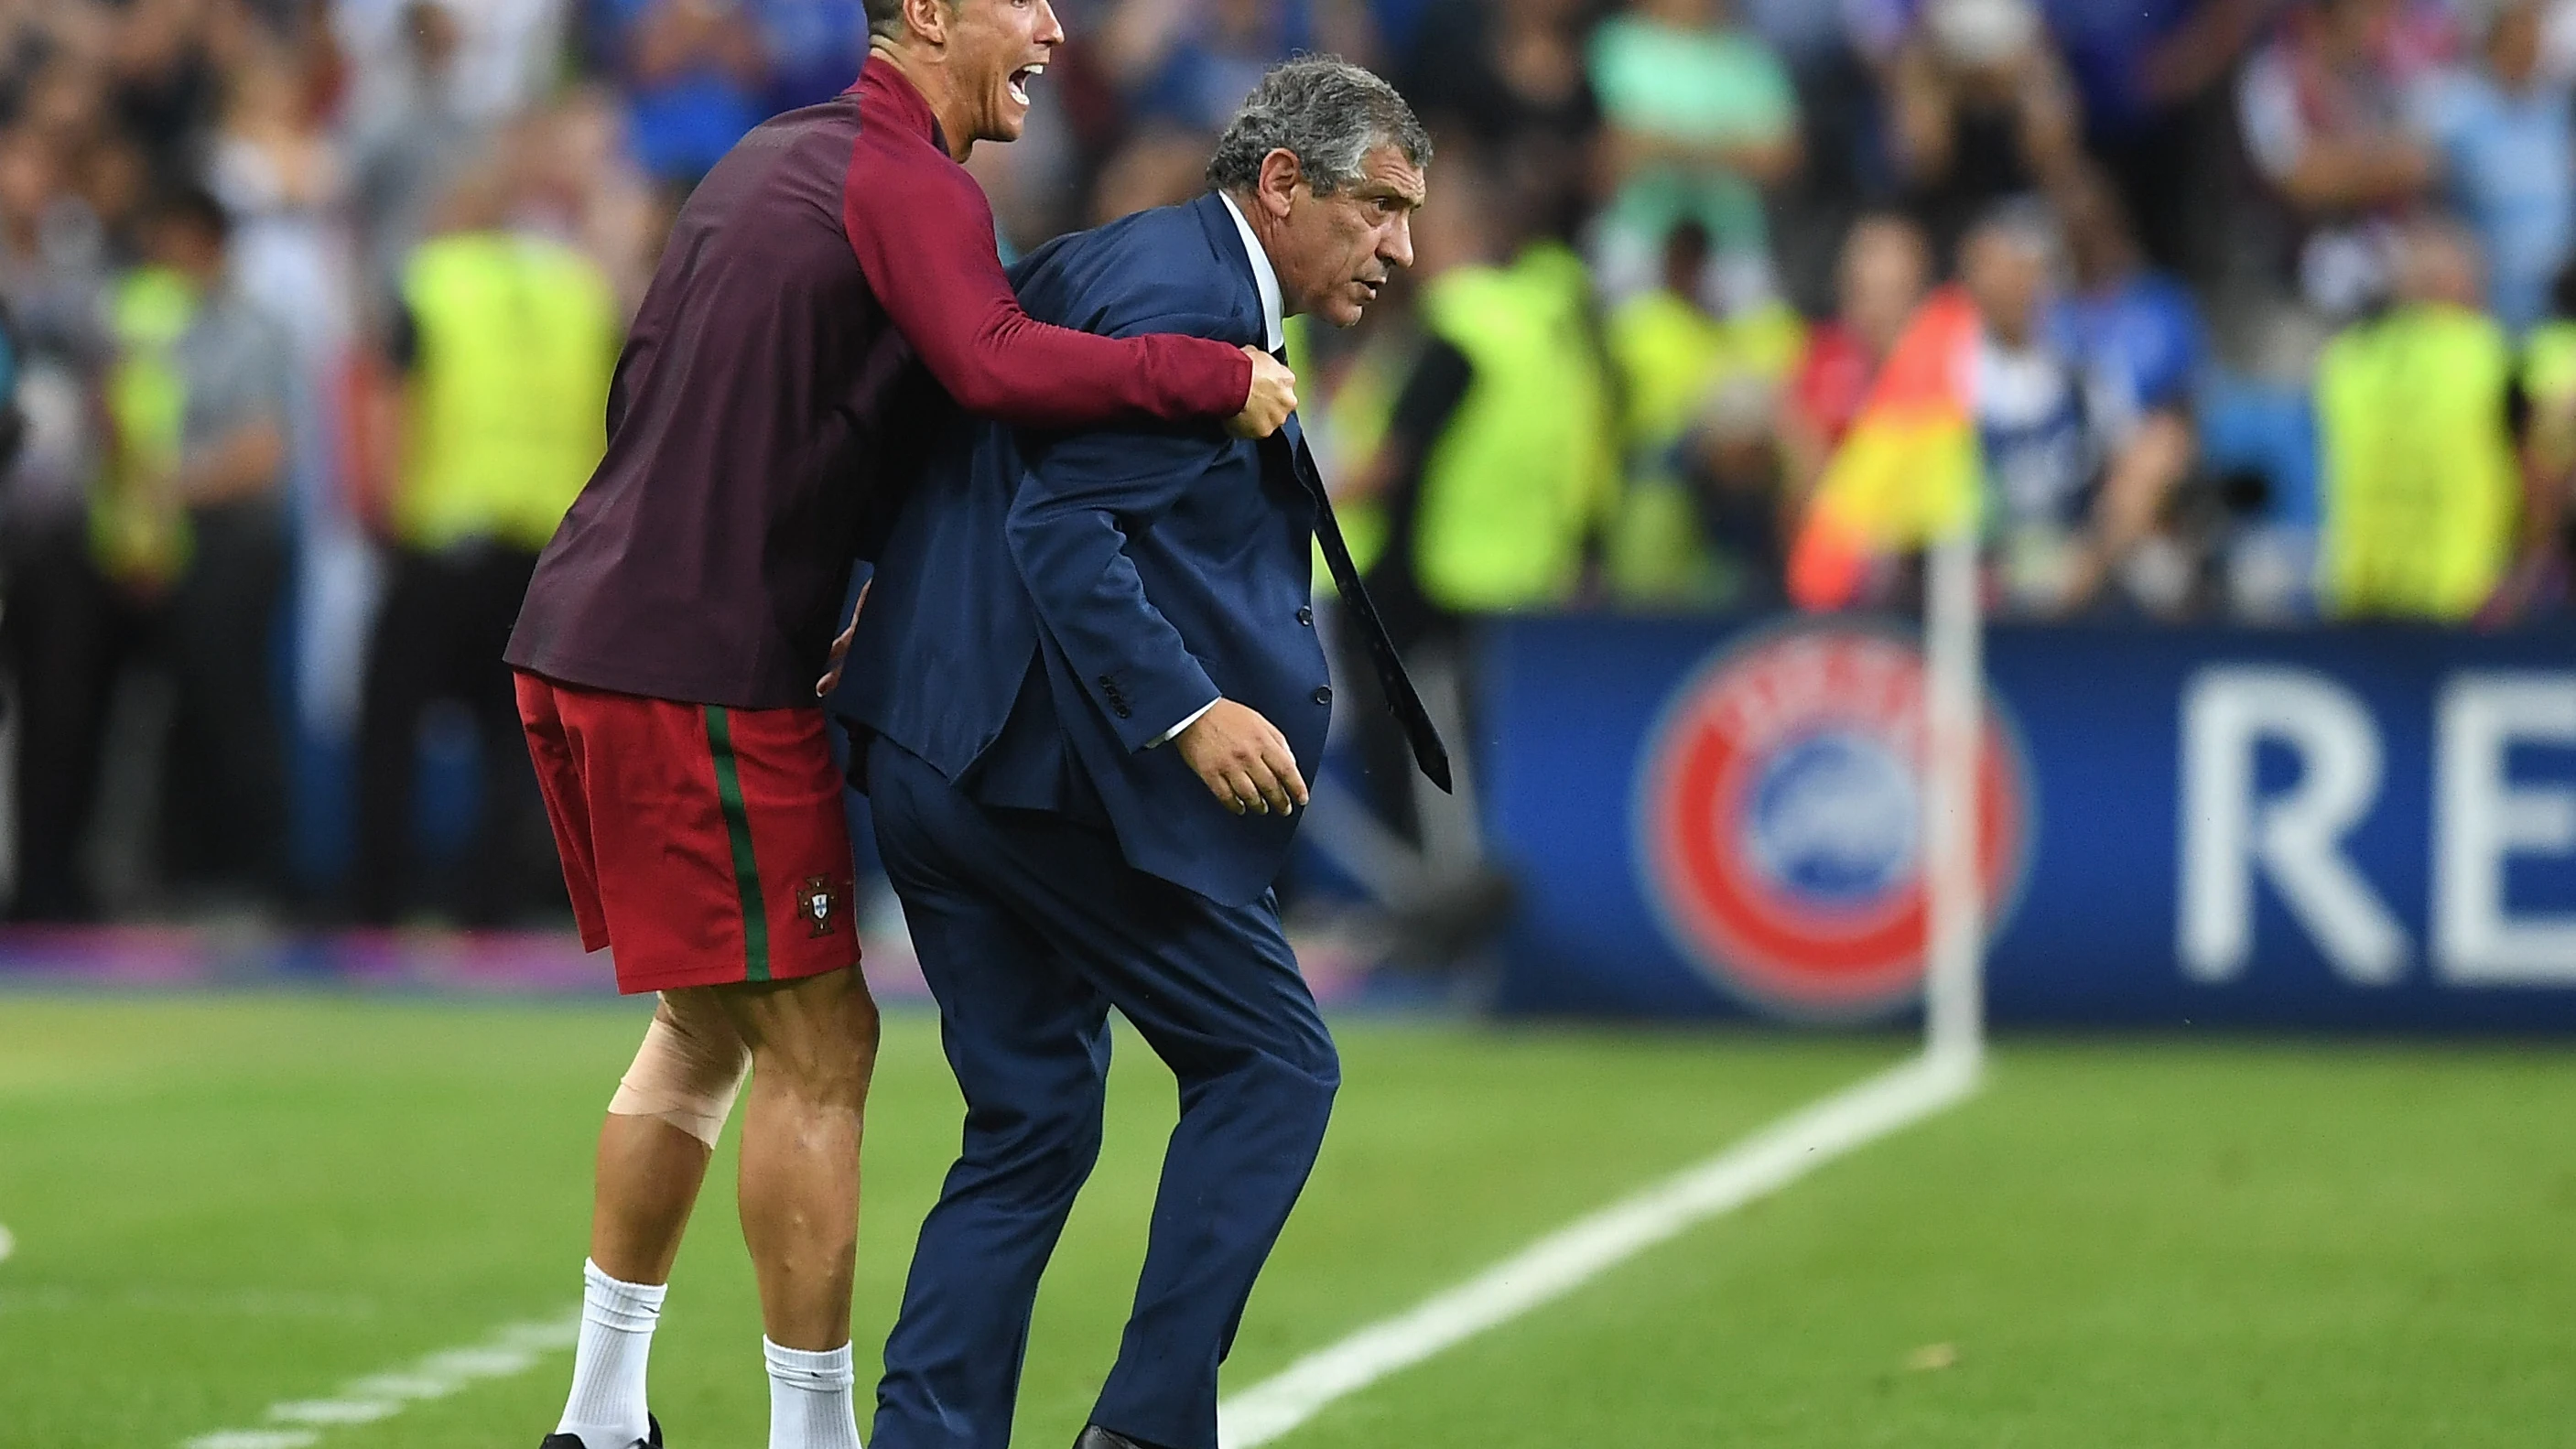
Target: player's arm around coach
{"points": [[668, 650]]}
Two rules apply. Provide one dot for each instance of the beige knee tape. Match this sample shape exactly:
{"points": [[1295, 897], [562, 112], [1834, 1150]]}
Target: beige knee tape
{"points": [[684, 1079]]}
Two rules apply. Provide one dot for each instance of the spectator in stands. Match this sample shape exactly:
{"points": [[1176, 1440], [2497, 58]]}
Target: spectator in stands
{"points": [[167, 60], [509, 55], [2135, 337], [504, 342], [1981, 112], [1730, 464], [1886, 266], [599, 197], [408, 143], [1191, 62], [694, 73], [1502, 70], [2142, 71], [53, 248], [281, 173], [2325, 120], [2507, 136], [66, 108], [1511, 73], [1978, 419], [815, 47], [31, 36], [2425, 506], [1701, 118], [194, 529], [2041, 458], [1842, 126], [59, 620], [1159, 166], [2077, 474]]}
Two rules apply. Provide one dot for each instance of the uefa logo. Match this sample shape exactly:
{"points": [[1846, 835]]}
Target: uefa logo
{"points": [[1781, 817]]}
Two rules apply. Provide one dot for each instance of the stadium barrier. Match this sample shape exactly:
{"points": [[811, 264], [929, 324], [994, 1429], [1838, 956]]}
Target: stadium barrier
{"points": [[2368, 828]]}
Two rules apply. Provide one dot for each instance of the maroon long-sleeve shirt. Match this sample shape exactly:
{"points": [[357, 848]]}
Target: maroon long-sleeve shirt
{"points": [[769, 386]]}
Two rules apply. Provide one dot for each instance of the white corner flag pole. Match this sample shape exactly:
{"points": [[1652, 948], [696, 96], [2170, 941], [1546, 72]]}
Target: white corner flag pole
{"points": [[1954, 977]]}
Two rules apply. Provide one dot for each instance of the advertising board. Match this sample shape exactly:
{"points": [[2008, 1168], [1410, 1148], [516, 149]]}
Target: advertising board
{"points": [[2368, 827]]}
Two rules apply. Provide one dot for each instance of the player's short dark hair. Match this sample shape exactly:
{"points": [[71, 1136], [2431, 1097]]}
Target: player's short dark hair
{"points": [[1325, 111], [885, 17], [194, 207]]}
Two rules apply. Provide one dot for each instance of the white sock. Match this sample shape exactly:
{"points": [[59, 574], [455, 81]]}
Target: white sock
{"points": [[606, 1408], [809, 1398]]}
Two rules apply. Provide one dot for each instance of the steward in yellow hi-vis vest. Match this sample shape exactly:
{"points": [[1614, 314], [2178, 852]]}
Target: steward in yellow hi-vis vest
{"points": [[505, 344], [1681, 369], [138, 522], [2549, 380], [189, 531], [2422, 485], [1515, 486], [507, 412]]}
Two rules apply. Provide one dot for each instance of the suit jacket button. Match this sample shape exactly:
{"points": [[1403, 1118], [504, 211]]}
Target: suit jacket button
{"points": [[1323, 694], [1306, 615]]}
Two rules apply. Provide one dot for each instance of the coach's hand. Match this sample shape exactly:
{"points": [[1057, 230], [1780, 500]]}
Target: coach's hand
{"points": [[1274, 397], [1243, 759]]}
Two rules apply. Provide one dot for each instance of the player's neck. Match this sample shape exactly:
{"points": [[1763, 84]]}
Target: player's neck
{"points": [[923, 72]]}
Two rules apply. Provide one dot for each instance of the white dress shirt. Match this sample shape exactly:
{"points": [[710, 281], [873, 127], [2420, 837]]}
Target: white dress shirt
{"points": [[1274, 321], [1274, 324]]}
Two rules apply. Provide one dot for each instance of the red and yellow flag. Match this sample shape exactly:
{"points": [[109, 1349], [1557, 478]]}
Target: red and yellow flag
{"points": [[1907, 473]]}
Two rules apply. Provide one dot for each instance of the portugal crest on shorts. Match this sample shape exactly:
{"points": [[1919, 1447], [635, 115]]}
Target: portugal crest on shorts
{"points": [[819, 899], [1780, 820]]}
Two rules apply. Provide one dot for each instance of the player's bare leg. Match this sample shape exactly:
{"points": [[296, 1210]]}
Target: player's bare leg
{"points": [[653, 1152], [661, 1133], [813, 1048], [648, 1177]]}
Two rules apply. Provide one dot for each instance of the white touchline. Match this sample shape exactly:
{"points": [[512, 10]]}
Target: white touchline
{"points": [[1562, 1261], [8, 1245], [510, 1350]]}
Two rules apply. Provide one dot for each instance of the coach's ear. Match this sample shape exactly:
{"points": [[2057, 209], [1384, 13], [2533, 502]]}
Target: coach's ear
{"points": [[1281, 174]]}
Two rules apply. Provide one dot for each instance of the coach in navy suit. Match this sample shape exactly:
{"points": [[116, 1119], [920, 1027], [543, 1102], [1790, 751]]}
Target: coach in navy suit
{"points": [[1093, 680]]}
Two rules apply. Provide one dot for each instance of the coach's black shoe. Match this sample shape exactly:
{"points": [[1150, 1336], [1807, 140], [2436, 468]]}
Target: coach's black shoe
{"points": [[1095, 1437], [651, 1440]]}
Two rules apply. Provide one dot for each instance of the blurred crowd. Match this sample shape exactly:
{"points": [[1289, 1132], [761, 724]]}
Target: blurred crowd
{"points": [[2251, 310]]}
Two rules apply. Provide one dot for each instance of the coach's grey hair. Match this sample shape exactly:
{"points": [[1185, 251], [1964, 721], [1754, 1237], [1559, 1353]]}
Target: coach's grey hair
{"points": [[1328, 113]]}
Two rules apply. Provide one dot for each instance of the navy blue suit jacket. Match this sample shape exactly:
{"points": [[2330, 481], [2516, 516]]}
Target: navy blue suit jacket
{"points": [[1048, 605]]}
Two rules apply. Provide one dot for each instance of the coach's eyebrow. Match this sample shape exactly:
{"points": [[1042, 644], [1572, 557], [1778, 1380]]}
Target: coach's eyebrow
{"points": [[1380, 191]]}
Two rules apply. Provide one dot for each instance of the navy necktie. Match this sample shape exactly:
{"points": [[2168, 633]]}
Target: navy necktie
{"points": [[1401, 699]]}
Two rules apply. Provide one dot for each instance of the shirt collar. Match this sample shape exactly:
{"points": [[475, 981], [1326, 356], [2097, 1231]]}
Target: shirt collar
{"points": [[899, 101], [1273, 321]]}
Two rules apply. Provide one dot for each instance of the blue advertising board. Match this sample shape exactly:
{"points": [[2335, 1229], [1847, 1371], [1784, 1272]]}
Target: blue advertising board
{"points": [[2344, 828]]}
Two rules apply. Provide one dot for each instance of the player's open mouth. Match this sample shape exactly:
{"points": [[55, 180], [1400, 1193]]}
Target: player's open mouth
{"points": [[1019, 81]]}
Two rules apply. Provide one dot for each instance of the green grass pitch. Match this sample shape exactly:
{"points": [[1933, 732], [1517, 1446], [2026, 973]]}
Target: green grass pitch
{"points": [[223, 1203]]}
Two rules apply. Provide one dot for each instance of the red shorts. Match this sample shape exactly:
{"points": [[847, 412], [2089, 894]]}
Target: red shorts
{"points": [[704, 845]]}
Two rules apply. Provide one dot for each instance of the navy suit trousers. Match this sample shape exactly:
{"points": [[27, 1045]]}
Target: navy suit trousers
{"points": [[1030, 927]]}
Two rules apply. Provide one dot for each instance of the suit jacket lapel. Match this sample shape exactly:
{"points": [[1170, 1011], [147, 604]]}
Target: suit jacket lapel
{"points": [[1227, 245], [1297, 449]]}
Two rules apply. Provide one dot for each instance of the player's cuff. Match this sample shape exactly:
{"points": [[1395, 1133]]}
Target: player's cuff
{"points": [[1169, 735]]}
